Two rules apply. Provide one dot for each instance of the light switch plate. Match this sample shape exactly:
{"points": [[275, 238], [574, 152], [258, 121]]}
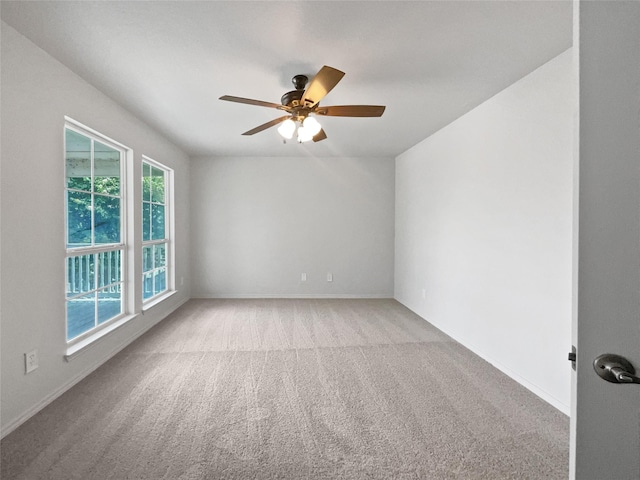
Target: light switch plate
{"points": [[30, 361]]}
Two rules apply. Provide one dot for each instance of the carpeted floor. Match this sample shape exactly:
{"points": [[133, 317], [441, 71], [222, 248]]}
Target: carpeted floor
{"points": [[292, 389]]}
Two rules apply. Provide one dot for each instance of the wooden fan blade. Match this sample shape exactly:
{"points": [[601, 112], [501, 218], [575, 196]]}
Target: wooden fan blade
{"points": [[351, 111], [322, 83], [250, 101], [319, 136], [264, 126]]}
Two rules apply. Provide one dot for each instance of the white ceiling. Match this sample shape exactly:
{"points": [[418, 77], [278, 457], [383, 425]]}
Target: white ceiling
{"points": [[168, 62]]}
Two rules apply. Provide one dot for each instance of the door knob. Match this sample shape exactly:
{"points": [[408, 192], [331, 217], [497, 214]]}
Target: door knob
{"points": [[615, 369]]}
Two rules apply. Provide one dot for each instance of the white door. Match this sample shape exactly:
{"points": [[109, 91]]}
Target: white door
{"points": [[606, 416]]}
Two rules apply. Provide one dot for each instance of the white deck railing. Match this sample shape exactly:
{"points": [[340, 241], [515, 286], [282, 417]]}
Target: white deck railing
{"points": [[81, 272]]}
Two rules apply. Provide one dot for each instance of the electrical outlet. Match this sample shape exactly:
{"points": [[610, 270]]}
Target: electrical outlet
{"points": [[329, 277], [303, 277], [30, 361]]}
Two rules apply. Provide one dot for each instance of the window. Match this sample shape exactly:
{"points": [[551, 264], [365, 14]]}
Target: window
{"points": [[95, 253], [156, 188]]}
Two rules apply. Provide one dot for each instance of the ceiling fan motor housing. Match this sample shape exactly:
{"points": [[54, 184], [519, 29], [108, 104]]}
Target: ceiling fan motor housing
{"points": [[292, 98]]}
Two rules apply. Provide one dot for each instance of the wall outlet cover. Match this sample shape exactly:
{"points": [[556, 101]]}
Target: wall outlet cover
{"points": [[30, 361]]}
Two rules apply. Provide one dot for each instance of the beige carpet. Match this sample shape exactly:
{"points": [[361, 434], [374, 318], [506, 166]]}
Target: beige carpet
{"points": [[292, 389]]}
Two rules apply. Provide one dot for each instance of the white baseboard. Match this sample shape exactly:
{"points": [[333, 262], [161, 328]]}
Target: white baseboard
{"points": [[15, 423], [12, 425], [543, 394], [291, 295]]}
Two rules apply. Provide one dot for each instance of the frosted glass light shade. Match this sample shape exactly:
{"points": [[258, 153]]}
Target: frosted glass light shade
{"points": [[304, 134], [287, 128], [312, 125]]}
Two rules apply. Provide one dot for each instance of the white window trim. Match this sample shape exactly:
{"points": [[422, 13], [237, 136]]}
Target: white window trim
{"points": [[79, 346], [80, 342], [169, 239]]}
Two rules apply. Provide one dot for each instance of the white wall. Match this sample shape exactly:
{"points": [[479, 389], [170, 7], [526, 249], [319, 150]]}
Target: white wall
{"points": [[37, 92], [258, 223], [484, 226]]}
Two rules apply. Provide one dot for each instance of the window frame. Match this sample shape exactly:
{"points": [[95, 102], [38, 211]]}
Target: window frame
{"points": [[167, 240], [97, 249]]}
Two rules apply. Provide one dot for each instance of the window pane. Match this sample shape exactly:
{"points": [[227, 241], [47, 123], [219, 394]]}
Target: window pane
{"points": [[146, 182], [146, 221], [109, 303], [78, 161], [157, 185], [147, 259], [80, 274], [79, 183], [106, 169], [78, 219], [94, 204], [81, 314], [107, 219], [157, 218], [147, 285], [109, 268], [154, 228], [160, 255], [159, 281]]}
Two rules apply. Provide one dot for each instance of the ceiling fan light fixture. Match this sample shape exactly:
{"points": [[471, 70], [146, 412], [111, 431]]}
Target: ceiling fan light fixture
{"points": [[312, 126], [287, 128], [302, 102], [304, 134]]}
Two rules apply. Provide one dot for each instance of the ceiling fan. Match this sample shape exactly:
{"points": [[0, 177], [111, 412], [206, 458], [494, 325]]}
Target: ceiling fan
{"points": [[302, 105]]}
